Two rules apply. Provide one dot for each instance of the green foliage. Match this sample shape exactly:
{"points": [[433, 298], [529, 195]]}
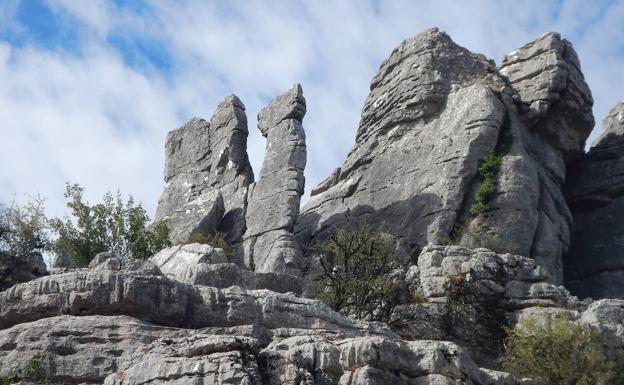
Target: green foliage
{"points": [[358, 274], [33, 372], [488, 170], [216, 240], [24, 229], [558, 351], [108, 226]]}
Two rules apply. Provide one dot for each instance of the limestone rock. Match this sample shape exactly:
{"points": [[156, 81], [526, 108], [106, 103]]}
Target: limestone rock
{"points": [[430, 116], [199, 264], [273, 201], [556, 101], [17, 269], [594, 267], [207, 171]]}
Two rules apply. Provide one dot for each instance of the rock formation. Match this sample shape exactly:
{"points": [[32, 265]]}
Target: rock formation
{"points": [[450, 149], [273, 201], [435, 111], [594, 267], [207, 172]]}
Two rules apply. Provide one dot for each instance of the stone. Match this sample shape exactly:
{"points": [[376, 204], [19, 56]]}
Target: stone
{"points": [[199, 264], [273, 201], [594, 265], [105, 261], [555, 100], [17, 269], [207, 172], [435, 110], [61, 261]]}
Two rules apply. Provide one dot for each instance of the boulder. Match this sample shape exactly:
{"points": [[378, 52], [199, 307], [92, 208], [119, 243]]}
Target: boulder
{"points": [[594, 266], [273, 201]]}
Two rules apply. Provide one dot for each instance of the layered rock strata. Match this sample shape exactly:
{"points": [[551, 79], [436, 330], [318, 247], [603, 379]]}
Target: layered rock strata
{"points": [[207, 172], [273, 201], [434, 113], [594, 266]]}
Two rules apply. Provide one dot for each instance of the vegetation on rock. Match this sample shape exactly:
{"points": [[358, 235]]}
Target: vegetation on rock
{"points": [[489, 168], [558, 351], [113, 225], [361, 274], [33, 372], [216, 240]]}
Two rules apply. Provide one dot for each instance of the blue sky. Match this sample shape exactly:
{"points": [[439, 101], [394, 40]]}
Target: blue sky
{"points": [[89, 89]]}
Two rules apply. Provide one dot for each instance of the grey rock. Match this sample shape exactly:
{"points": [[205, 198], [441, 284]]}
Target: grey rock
{"points": [[594, 266], [430, 116], [273, 201], [61, 261], [199, 264], [207, 171], [433, 112], [105, 261], [17, 269], [555, 99]]}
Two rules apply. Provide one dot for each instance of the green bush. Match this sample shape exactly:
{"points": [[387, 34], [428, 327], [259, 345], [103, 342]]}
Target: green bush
{"points": [[488, 170], [33, 372], [113, 225], [23, 231], [558, 351], [357, 274]]}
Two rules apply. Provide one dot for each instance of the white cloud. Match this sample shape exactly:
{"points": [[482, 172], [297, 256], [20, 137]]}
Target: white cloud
{"points": [[97, 121]]}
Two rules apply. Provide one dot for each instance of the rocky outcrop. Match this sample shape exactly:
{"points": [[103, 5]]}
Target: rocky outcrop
{"points": [[273, 201], [466, 296], [199, 264], [434, 113], [555, 101], [207, 172], [594, 267], [17, 269]]}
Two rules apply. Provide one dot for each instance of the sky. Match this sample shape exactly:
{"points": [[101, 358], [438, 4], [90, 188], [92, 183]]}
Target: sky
{"points": [[90, 88]]}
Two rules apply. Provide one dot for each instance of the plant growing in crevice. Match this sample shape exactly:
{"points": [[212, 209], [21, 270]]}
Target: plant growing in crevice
{"points": [[33, 372], [489, 168]]}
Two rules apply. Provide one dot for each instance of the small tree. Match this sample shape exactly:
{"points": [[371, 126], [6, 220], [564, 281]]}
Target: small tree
{"points": [[108, 226], [558, 351], [357, 277], [23, 231]]}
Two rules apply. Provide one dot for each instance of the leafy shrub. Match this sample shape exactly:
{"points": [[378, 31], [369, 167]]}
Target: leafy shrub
{"points": [[488, 170], [108, 226], [23, 231], [33, 372], [558, 351], [357, 278]]}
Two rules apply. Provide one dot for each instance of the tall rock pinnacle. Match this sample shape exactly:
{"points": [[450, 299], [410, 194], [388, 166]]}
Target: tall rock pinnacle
{"points": [[273, 201]]}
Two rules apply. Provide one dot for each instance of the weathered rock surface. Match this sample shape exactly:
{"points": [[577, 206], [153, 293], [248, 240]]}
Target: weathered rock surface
{"points": [[273, 201], [207, 172], [434, 111], [554, 97], [199, 264], [17, 269], [594, 266], [466, 296]]}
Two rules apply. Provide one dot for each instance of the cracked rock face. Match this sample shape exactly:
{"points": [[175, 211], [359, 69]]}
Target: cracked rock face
{"points": [[273, 201], [430, 116], [207, 172], [594, 267], [435, 110]]}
